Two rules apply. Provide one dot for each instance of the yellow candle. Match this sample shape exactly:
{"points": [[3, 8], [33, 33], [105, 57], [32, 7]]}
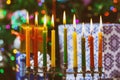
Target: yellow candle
{"points": [[100, 45], [74, 36], [53, 44]]}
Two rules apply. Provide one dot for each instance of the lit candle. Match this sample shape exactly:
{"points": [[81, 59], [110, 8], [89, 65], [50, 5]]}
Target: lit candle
{"points": [[27, 41], [100, 45], [35, 41], [53, 44], [83, 48], [65, 39], [44, 34], [74, 36], [91, 46]]}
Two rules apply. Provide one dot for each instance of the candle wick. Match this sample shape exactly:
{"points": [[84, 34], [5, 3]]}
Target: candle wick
{"points": [[83, 34], [53, 28], [44, 28], [91, 32], [74, 29], [36, 24], [64, 25], [27, 25]]}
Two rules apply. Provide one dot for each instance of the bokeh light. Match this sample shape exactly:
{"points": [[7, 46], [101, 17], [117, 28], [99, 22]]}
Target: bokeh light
{"points": [[15, 51], [106, 13], [115, 1], [12, 58], [8, 2], [1, 57], [2, 13], [7, 26], [115, 10], [43, 12]]}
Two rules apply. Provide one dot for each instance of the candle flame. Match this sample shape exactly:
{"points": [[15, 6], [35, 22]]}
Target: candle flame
{"points": [[100, 23], [36, 18], [91, 25], [83, 28], [27, 18], [74, 21], [52, 21], [64, 18], [45, 21]]}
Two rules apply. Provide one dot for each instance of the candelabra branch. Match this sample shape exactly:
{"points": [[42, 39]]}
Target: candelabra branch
{"points": [[53, 72]]}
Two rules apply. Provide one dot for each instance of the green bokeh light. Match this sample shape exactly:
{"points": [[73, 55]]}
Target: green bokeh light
{"points": [[12, 58], [2, 71], [60, 74], [73, 10], [0, 28]]}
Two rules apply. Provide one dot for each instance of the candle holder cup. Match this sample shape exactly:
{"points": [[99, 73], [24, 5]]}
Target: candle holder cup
{"points": [[35, 72], [64, 70], [28, 72], [100, 71], [53, 72], [92, 71], [44, 71], [75, 72], [84, 71]]}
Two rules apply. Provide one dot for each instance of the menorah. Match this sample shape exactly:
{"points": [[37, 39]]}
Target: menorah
{"points": [[33, 35], [52, 70]]}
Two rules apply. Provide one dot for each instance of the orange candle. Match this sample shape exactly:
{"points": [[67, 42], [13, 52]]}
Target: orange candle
{"points": [[27, 41], [100, 45], [91, 46], [35, 41]]}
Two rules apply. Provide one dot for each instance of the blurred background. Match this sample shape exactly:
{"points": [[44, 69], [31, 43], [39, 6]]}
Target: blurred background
{"points": [[13, 15]]}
